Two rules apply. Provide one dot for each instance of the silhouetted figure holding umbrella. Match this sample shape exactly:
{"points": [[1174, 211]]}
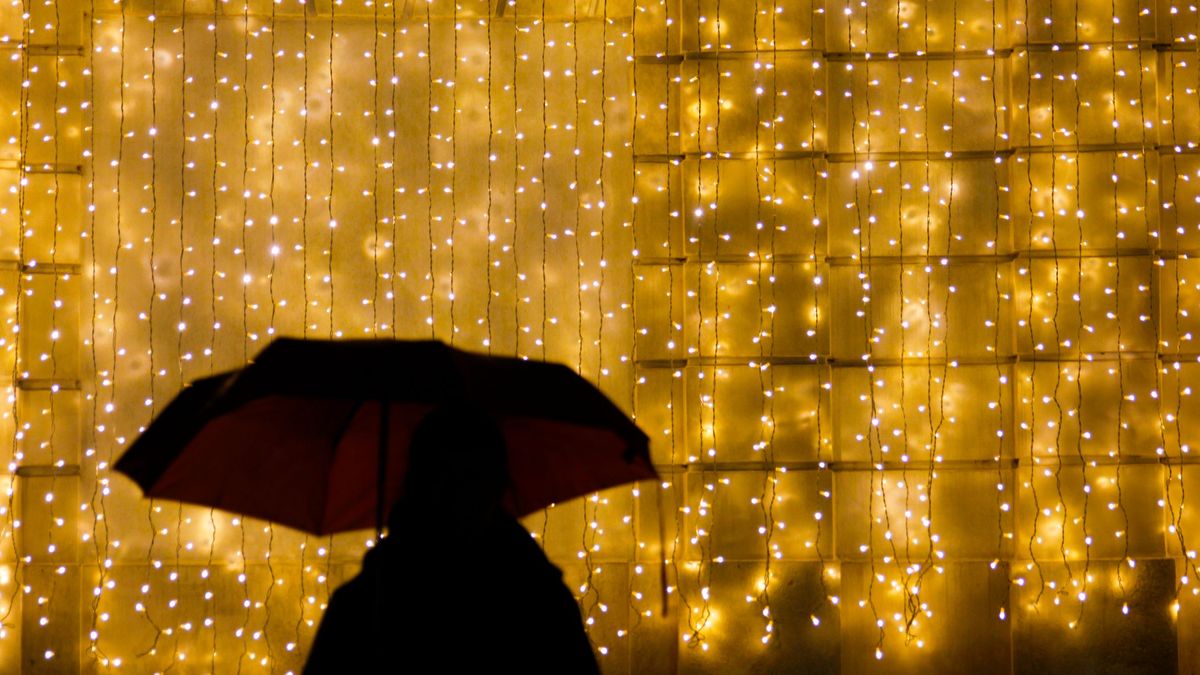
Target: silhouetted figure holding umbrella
{"points": [[458, 584], [319, 435]]}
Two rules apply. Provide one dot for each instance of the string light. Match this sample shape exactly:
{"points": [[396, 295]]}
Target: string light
{"points": [[635, 379], [590, 597], [1056, 423], [698, 616], [490, 262], [97, 502], [674, 331], [21, 559], [679, 333], [766, 444], [431, 298], [332, 169], [376, 244], [209, 620], [1003, 479], [1027, 271], [910, 615], [598, 284], [452, 187], [867, 328], [244, 224], [823, 378], [543, 178], [944, 319], [272, 254], [1118, 235], [396, 191], [180, 324], [1087, 548], [143, 606], [517, 188], [1161, 365], [56, 303], [332, 223]]}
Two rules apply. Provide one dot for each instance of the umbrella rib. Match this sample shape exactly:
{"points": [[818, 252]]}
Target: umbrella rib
{"points": [[349, 419], [337, 439]]}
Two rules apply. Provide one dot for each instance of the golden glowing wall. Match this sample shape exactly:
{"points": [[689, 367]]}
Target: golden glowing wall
{"points": [[902, 298]]}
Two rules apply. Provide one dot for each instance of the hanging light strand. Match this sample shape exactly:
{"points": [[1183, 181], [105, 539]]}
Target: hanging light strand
{"points": [[708, 557], [590, 597], [935, 430], [17, 448], [273, 218], [601, 185], [1058, 342], [50, 497], [1002, 485], [173, 578], [680, 507], [541, 341], [517, 188], [487, 217], [602, 262], [1161, 365], [377, 235], [453, 187], [817, 257], [23, 171], [116, 296], [429, 109], [697, 617], [210, 597], [1087, 539], [97, 501], [1033, 342], [868, 341], [333, 331], [302, 600], [634, 373], [1118, 235], [1143, 125], [273, 223], [577, 222], [143, 607], [395, 189], [904, 436], [871, 329], [766, 329], [1179, 333], [243, 225]]}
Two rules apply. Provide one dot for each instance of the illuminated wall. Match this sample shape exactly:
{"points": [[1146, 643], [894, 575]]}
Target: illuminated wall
{"points": [[902, 297]]}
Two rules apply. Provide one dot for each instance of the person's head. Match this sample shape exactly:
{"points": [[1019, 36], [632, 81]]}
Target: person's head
{"points": [[457, 463]]}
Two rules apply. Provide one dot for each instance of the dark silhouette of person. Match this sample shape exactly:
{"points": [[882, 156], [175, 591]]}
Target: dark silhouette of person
{"points": [[457, 585]]}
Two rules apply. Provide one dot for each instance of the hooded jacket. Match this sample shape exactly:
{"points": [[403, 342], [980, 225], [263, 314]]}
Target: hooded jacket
{"points": [[500, 608]]}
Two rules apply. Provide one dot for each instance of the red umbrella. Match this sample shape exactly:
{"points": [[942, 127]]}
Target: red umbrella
{"points": [[296, 437]]}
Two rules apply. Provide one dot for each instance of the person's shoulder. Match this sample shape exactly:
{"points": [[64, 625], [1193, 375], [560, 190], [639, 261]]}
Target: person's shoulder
{"points": [[512, 536], [351, 592], [377, 560], [507, 528]]}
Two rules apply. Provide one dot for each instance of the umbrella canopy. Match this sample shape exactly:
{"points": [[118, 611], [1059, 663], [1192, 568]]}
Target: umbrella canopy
{"points": [[299, 436]]}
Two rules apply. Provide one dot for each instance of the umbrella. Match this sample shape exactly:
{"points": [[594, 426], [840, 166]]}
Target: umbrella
{"points": [[313, 434]]}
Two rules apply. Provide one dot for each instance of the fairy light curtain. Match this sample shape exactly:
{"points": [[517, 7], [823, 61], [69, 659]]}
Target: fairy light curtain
{"points": [[900, 291]]}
